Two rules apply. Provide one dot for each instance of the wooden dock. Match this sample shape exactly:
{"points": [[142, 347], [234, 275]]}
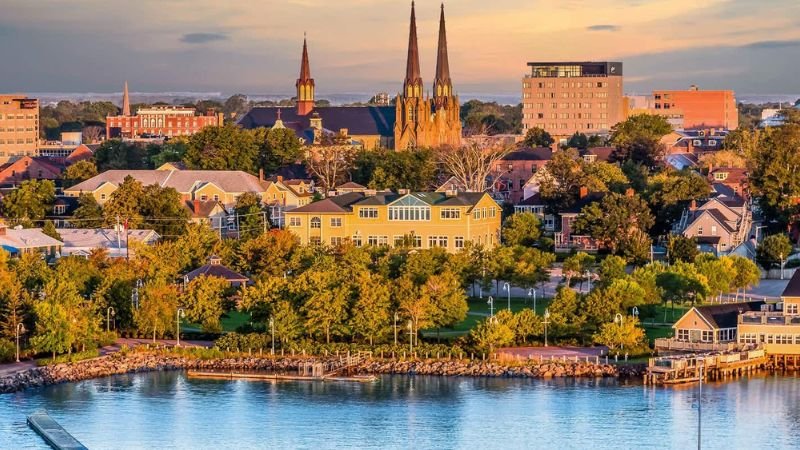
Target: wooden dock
{"points": [[254, 376], [53, 433], [669, 370]]}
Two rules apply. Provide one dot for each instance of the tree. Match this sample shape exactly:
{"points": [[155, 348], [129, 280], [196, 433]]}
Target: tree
{"points": [[114, 154], [203, 301], [531, 266], [747, 274], [49, 229], [537, 137], [471, 164], [448, 300], [89, 213], [615, 220], [261, 297], [626, 334], [222, 148], [268, 253], [670, 192], [326, 312], [775, 161], [80, 171], [681, 248], [413, 304], [330, 163], [577, 140], [562, 179], [723, 158], [719, 273], [564, 312], [162, 210], [287, 323], [30, 201], [279, 147], [600, 176], [527, 325], [64, 319], [611, 268], [773, 251], [637, 138], [577, 265], [370, 317], [158, 305], [641, 150], [125, 204], [170, 151], [252, 219], [521, 229], [494, 332], [388, 169]]}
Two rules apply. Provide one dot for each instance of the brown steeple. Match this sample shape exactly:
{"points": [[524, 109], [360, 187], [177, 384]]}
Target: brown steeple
{"points": [[126, 101], [442, 85], [412, 86], [305, 84]]}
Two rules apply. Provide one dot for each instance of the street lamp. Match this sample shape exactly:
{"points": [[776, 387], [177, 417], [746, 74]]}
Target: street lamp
{"points": [[20, 328], [490, 302], [178, 316], [589, 281], [618, 319], [410, 338], [635, 312], [396, 316], [109, 312], [507, 288], [532, 293], [272, 333], [782, 261], [546, 321], [480, 285]]}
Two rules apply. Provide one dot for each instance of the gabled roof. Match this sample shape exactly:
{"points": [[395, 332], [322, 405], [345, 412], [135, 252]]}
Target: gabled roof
{"points": [[104, 237], [533, 200], [81, 152], [217, 270], [793, 288], [726, 315], [202, 209], [350, 185], [346, 202], [359, 120], [452, 183], [26, 238], [338, 203], [183, 181], [530, 154], [602, 153], [735, 174]]}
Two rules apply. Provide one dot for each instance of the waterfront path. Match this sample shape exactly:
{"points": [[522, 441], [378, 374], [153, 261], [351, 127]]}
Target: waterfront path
{"points": [[14, 368]]}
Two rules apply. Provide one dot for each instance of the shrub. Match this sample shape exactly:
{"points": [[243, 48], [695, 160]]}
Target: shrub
{"points": [[8, 350]]}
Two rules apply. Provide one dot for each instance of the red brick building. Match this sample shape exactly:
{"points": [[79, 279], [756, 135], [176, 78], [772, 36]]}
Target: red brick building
{"points": [[158, 121], [28, 168], [515, 169]]}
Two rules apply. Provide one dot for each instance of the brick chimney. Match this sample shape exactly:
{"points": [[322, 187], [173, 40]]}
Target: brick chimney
{"points": [[583, 192], [280, 178], [260, 174], [693, 205], [196, 205]]}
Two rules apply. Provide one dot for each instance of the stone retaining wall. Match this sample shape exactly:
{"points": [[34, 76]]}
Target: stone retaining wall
{"points": [[135, 362]]}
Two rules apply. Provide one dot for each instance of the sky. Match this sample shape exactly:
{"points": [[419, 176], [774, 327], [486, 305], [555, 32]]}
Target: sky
{"points": [[254, 46]]}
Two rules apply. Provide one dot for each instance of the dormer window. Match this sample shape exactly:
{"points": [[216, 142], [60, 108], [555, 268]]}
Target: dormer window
{"points": [[720, 176]]}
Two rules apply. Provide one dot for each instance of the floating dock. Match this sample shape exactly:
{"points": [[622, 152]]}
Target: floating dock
{"points": [[276, 377], [53, 433], [670, 370]]}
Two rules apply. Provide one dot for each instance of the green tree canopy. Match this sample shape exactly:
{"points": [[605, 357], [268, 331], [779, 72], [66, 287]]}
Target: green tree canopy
{"points": [[114, 154], [773, 250], [521, 229], [30, 201], [222, 148], [537, 137], [615, 220], [80, 171], [203, 300]]}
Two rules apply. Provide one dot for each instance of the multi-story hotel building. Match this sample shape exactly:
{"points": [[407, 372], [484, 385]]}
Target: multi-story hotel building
{"points": [[568, 97], [698, 109], [158, 121], [415, 219], [19, 126]]}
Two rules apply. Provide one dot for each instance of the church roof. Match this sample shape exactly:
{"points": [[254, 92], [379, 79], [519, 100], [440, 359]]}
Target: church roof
{"points": [[359, 120]]}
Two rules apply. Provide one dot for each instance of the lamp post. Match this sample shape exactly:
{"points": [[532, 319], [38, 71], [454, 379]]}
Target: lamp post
{"points": [[635, 312], [480, 285], [618, 319], [272, 333], [410, 338], [490, 302], [178, 315], [546, 321], [395, 327], [507, 288], [20, 328], [588, 281], [532, 293], [782, 261], [109, 312]]}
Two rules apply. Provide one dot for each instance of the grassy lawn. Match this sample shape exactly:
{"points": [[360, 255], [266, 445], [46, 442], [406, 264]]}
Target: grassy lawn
{"points": [[671, 316], [479, 309], [655, 332], [230, 321]]}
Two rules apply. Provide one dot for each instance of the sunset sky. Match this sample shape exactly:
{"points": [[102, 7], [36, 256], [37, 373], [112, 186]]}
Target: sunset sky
{"points": [[752, 46]]}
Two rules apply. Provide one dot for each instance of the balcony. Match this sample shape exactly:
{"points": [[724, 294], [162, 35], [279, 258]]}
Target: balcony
{"points": [[675, 345], [768, 318], [579, 243]]}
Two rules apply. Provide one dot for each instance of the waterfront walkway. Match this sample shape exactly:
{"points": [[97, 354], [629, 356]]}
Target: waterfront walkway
{"points": [[10, 369]]}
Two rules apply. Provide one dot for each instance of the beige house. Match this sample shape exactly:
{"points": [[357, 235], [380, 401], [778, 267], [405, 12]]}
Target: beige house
{"points": [[417, 219], [223, 186], [285, 195], [707, 328], [719, 225], [213, 213], [778, 328]]}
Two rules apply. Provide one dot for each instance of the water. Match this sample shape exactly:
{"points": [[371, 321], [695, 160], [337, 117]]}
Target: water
{"points": [[168, 411]]}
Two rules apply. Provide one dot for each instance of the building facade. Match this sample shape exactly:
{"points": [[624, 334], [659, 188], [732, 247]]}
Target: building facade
{"points": [[160, 121], [19, 126], [568, 97], [698, 109], [418, 220]]}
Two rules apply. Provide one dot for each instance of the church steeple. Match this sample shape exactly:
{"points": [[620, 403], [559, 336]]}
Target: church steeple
{"points": [[412, 86], [442, 85], [126, 101], [305, 85]]}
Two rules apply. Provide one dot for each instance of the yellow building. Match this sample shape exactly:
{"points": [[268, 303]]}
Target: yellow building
{"points": [[19, 127], [776, 328], [416, 219], [285, 195]]}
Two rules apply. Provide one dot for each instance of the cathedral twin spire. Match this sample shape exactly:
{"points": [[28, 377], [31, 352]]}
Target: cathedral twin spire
{"points": [[442, 85]]}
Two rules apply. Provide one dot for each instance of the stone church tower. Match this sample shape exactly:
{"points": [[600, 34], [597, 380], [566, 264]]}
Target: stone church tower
{"points": [[420, 120]]}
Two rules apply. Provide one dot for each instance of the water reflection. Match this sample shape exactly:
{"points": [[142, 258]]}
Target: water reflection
{"points": [[167, 410]]}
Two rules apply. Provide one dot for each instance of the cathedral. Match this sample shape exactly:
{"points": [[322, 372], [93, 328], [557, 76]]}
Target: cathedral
{"points": [[417, 120]]}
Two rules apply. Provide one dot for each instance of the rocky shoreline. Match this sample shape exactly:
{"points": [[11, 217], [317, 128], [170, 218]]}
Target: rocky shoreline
{"points": [[136, 362]]}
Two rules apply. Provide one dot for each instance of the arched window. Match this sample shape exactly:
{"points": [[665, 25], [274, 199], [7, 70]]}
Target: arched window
{"points": [[316, 222]]}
